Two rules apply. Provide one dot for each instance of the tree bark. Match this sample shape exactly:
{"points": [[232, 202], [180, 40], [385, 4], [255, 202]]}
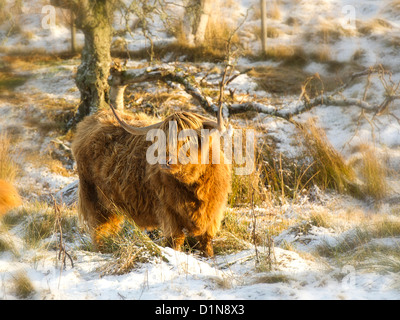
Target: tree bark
{"points": [[94, 18], [92, 77], [205, 12], [264, 36], [73, 33], [196, 20]]}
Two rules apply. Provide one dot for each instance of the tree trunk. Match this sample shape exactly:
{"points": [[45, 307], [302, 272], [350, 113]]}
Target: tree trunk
{"points": [[205, 12], [95, 20], [73, 33], [263, 4], [196, 20]]}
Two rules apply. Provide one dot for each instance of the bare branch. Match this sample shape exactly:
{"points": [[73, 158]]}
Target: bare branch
{"points": [[167, 74], [170, 74]]}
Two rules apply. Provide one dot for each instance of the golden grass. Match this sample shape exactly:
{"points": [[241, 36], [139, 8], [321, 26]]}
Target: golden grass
{"points": [[284, 178], [330, 170], [218, 33], [356, 244], [45, 160], [6, 242], [8, 168], [23, 286], [246, 188], [234, 234], [290, 55], [272, 278], [175, 51], [323, 54], [373, 26], [39, 221], [273, 11], [373, 172], [272, 32], [9, 81], [212, 49], [129, 247], [29, 60]]}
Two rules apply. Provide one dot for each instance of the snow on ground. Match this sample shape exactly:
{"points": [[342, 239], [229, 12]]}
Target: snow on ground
{"points": [[297, 273]]}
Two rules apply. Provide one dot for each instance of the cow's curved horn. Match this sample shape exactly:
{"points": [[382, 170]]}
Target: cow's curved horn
{"points": [[219, 124], [132, 129], [220, 120]]}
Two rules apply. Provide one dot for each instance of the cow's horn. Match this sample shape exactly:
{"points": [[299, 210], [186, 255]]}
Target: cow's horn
{"points": [[132, 129]]}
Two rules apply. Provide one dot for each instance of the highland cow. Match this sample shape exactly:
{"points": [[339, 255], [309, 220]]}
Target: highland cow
{"points": [[9, 197], [181, 199]]}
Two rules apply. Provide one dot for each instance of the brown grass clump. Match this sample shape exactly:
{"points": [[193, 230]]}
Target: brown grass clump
{"points": [[234, 235], [23, 286], [8, 168], [323, 54], [217, 34], [129, 247], [361, 245], [290, 55], [374, 26], [329, 168], [274, 11], [212, 49], [280, 80], [373, 173]]}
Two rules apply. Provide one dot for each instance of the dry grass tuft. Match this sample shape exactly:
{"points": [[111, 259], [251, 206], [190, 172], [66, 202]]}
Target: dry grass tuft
{"points": [[361, 244], [217, 34], [245, 188], [290, 55], [373, 173], [6, 242], [272, 278], [40, 224], [329, 168], [129, 247], [279, 80], [374, 26], [323, 54], [23, 286], [274, 11], [283, 177], [8, 168], [234, 235]]}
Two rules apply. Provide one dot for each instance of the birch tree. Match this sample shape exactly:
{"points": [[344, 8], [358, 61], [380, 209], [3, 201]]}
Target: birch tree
{"points": [[197, 15]]}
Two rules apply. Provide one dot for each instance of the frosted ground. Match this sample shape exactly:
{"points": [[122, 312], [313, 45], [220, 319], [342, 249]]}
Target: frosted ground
{"points": [[297, 272]]}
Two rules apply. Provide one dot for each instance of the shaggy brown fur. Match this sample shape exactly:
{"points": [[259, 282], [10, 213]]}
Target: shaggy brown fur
{"points": [[9, 197], [113, 171]]}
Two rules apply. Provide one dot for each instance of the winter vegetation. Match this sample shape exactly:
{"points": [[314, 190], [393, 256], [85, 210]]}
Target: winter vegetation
{"points": [[318, 82]]}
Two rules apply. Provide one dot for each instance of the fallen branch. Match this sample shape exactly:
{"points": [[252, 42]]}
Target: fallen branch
{"points": [[172, 75], [121, 78]]}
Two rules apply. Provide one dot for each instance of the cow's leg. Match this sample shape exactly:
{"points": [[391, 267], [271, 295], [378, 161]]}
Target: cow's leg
{"points": [[102, 223], [105, 230], [176, 241], [206, 245]]}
